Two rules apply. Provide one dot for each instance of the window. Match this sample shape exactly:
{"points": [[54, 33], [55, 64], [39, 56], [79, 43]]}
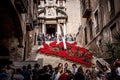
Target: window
{"points": [[111, 7], [85, 31], [61, 3], [83, 3], [97, 22], [86, 4], [90, 29], [113, 31], [83, 6]]}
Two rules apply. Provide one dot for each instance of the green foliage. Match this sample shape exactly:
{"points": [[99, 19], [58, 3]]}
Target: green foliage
{"points": [[117, 44], [110, 46], [114, 47], [117, 37]]}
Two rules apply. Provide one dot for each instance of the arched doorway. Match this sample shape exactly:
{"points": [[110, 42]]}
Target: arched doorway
{"points": [[51, 29]]}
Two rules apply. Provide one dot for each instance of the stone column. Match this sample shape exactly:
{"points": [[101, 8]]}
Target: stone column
{"points": [[58, 29], [43, 28], [58, 32], [64, 29]]}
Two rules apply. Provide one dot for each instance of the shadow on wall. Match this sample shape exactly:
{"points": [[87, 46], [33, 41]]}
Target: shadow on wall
{"points": [[4, 55]]}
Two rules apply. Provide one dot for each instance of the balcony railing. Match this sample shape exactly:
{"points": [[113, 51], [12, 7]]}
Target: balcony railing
{"points": [[86, 10], [21, 5]]}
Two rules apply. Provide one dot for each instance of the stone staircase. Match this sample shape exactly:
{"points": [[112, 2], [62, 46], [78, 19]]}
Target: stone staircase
{"points": [[47, 59], [42, 59], [53, 60]]}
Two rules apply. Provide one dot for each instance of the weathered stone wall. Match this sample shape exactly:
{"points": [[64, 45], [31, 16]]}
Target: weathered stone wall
{"points": [[105, 21], [15, 42], [117, 6], [73, 12], [16, 53], [30, 37]]}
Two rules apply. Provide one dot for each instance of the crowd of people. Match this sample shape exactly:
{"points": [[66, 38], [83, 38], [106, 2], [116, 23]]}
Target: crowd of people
{"points": [[60, 72], [51, 37]]}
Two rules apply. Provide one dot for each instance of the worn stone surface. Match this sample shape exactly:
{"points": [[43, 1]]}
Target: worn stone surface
{"points": [[97, 29], [73, 12]]}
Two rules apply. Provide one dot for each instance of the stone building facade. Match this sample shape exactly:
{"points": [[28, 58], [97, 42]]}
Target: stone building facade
{"points": [[100, 19], [56, 14], [18, 19]]}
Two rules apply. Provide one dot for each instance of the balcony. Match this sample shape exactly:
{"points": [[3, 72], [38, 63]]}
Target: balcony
{"points": [[29, 24], [21, 5], [86, 13], [86, 10]]}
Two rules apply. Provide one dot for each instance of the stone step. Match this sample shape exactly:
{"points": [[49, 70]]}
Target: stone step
{"points": [[54, 60]]}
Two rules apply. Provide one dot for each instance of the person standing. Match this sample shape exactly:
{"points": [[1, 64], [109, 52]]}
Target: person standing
{"points": [[75, 69], [56, 74], [65, 75], [118, 72], [79, 74], [25, 73], [87, 74], [3, 74], [18, 75], [35, 72], [60, 67], [65, 67], [101, 76]]}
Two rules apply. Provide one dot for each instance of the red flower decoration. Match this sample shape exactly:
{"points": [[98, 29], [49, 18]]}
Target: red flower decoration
{"points": [[55, 49], [53, 44]]}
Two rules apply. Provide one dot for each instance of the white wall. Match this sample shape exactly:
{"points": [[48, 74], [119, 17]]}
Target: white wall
{"points": [[73, 12]]}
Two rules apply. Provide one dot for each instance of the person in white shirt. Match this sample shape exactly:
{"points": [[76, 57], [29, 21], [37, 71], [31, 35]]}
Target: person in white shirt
{"points": [[56, 74], [118, 72], [75, 69]]}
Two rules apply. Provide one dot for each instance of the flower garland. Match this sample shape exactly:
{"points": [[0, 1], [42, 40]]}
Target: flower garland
{"points": [[72, 53]]}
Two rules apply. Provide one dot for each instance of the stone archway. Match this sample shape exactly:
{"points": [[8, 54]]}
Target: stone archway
{"points": [[11, 29], [11, 24]]}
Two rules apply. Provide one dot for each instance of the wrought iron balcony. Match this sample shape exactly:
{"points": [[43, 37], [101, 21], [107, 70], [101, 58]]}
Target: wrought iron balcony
{"points": [[86, 10], [86, 13], [21, 5]]}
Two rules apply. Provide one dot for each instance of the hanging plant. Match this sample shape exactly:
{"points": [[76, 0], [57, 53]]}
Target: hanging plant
{"points": [[110, 48]]}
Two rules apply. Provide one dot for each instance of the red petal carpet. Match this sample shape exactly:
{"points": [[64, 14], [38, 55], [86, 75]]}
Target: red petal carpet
{"points": [[73, 53]]}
